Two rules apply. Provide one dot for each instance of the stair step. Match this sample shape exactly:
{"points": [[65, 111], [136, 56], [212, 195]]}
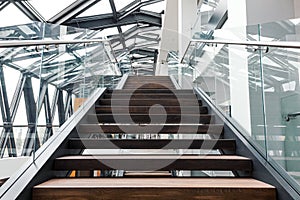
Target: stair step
{"points": [[156, 118], [149, 86], [154, 189], [145, 91], [149, 81], [150, 102], [142, 174], [148, 78], [148, 96], [3, 180], [154, 162], [213, 129], [82, 143], [154, 110]]}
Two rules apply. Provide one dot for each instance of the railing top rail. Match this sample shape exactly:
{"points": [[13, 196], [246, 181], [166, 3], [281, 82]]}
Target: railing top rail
{"points": [[281, 44], [23, 43]]}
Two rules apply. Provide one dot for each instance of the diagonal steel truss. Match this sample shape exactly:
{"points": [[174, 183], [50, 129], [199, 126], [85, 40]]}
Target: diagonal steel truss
{"points": [[131, 14]]}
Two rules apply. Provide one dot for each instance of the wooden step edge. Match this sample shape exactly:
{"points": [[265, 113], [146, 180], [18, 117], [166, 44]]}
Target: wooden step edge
{"points": [[150, 90], [211, 129], [155, 189], [3, 180], [208, 144], [145, 109], [157, 162], [175, 182]]}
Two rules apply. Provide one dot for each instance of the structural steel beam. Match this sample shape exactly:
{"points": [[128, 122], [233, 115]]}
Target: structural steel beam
{"points": [[31, 142], [115, 16], [107, 21], [72, 11], [29, 11], [7, 137], [3, 5]]}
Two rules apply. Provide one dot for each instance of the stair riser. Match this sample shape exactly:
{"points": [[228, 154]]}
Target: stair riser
{"points": [[141, 119], [154, 110], [153, 165], [148, 102]]}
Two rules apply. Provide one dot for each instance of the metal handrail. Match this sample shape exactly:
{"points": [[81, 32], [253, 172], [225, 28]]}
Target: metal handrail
{"points": [[281, 44], [23, 43], [26, 43], [290, 116]]}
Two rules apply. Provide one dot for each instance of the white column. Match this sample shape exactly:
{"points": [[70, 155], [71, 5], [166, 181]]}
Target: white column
{"points": [[169, 37], [238, 63], [187, 12]]}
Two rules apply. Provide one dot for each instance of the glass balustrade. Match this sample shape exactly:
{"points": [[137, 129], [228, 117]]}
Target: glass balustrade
{"points": [[41, 86], [257, 87]]}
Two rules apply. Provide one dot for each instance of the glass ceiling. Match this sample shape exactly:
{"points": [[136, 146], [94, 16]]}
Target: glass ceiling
{"points": [[126, 22]]}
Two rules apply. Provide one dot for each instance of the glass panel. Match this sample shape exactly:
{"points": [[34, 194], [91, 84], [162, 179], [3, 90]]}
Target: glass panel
{"points": [[256, 87], [73, 69], [282, 93]]}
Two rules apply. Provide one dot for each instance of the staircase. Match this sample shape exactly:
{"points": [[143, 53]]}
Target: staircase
{"points": [[157, 141]]}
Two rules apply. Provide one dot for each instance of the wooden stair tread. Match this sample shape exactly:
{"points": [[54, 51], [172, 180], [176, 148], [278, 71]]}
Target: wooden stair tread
{"points": [[216, 129], [154, 162], [153, 118], [156, 91], [82, 143], [155, 157], [150, 102], [3, 180], [156, 110], [155, 189], [155, 183]]}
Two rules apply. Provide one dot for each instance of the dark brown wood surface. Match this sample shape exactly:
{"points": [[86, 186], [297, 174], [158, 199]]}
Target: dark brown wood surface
{"points": [[84, 143], [155, 189], [214, 129], [153, 162]]}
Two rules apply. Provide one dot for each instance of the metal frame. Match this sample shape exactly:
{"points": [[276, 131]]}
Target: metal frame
{"points": [[130, 14], [33, 109], [33, 172]]}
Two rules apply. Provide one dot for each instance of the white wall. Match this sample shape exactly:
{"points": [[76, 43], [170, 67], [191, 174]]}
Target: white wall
{"points": [[297, 8], [8, 166], [261, 11]]}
